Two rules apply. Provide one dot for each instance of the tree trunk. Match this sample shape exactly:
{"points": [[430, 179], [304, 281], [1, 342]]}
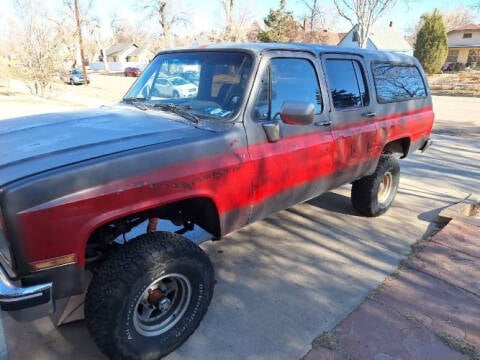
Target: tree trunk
{"points": [[105, 61], [362, 36]]}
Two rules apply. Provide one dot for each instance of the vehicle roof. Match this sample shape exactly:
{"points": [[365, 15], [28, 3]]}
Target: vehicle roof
{"points": [[259, 48]]}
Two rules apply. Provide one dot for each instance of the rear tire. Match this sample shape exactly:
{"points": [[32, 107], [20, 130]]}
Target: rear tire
{"points": [[373, 195], [149, 296]]}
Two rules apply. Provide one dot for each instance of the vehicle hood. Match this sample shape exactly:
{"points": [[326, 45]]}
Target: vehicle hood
{"points": [[33, 144]]}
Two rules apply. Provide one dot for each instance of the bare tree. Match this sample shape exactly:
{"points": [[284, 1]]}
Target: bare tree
{"points": [[318, 19], [363, 13], [314, 18], [126, 31], [237, 20], [40, 47], [77, 21], [457, 17], [452, 19], [167, 17], [228, 6]]}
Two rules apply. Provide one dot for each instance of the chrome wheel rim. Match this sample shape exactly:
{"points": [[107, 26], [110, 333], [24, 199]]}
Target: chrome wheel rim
{"points": [[385, 187], [162, 304]]}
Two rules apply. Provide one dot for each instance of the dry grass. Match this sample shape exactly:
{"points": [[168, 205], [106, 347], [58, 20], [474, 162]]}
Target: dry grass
{"points": [[464, 83], [16, 100]]}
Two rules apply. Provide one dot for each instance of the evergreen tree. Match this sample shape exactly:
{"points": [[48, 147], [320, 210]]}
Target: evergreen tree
{"points": [[282, 26], [431, 44]]}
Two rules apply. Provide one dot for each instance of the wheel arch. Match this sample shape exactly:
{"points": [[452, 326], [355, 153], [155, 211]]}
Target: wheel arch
{"points": [[400, 145], [199, 210]]}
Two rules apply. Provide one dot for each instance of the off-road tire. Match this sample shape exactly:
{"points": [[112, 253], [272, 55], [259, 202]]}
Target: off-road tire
{"points": [[366, 198], [112, 301]]}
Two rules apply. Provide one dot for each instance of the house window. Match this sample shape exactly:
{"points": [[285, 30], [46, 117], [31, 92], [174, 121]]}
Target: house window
{"points": [[473, 56], [467, 35], [452, 56]]}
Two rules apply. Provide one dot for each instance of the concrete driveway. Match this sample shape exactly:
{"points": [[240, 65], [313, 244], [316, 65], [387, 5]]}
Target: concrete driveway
{"points": [[283, 281]]}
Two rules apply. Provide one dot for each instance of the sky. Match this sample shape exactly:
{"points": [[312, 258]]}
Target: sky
{"points": [[206, 15]]}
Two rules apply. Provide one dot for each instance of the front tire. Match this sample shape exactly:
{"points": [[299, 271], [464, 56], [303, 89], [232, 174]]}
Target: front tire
{"points": [[149, 296], [373, 195]]}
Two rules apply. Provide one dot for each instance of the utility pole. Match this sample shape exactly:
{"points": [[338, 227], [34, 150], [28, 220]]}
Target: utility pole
{"points": [[80, 41]]}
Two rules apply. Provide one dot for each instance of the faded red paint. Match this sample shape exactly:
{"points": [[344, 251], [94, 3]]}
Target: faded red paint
{"points": [[225, 178]]}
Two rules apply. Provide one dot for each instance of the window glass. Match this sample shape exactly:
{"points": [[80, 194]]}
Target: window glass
{"points": [[395, 82], [262, 104], [207, 84], [361, 82], [452, 55], [473, 56], [287, 80], [344, 77]]}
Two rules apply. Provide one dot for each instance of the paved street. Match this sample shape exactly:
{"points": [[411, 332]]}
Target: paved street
{"points": [[283, 281]]}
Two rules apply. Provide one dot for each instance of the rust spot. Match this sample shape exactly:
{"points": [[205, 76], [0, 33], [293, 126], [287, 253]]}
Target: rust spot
{"points": [[152, 224], [155, 296]]}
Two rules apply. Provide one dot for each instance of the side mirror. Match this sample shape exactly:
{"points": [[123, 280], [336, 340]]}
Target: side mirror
{"points": [[297, 113]]}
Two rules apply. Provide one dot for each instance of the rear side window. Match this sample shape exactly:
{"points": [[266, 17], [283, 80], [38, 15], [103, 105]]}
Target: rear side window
{"points": [[397, 82], [347, 83]]}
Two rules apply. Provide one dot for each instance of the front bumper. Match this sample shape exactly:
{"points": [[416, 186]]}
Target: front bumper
{"points": [[13, 298]]}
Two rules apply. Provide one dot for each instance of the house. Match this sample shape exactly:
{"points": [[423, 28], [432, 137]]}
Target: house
{"points": [[128, 52], [324, 37], [122, 55], [387, 39], [464, 45]]}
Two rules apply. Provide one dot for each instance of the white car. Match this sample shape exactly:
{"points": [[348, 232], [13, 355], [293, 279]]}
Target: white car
{"points": [[174, 87]]}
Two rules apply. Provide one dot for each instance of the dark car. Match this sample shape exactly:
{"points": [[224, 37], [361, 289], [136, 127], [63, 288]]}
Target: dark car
{"points": [[132, 71], [76, 77], [191, 76]]}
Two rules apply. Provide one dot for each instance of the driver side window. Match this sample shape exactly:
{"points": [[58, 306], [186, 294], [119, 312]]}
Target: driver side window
{"points": [[287, 79]]}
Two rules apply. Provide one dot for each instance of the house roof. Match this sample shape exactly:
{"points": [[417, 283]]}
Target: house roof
{"points": [[118, 48], [388, 39], [466, 28], [139, 51], [325, 37]]}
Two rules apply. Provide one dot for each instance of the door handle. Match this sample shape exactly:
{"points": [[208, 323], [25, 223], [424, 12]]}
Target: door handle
{"points": [[370, 114], [325, 123]]}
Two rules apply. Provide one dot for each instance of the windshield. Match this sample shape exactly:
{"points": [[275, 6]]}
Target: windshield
{"points": [[206, 83]]}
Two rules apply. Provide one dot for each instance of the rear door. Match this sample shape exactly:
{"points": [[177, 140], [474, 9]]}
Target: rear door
{"points": [[297, 164], [352, 114]]}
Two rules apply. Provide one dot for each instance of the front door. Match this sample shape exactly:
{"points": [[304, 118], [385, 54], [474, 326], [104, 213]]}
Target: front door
{"points": [[296, 165]]}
